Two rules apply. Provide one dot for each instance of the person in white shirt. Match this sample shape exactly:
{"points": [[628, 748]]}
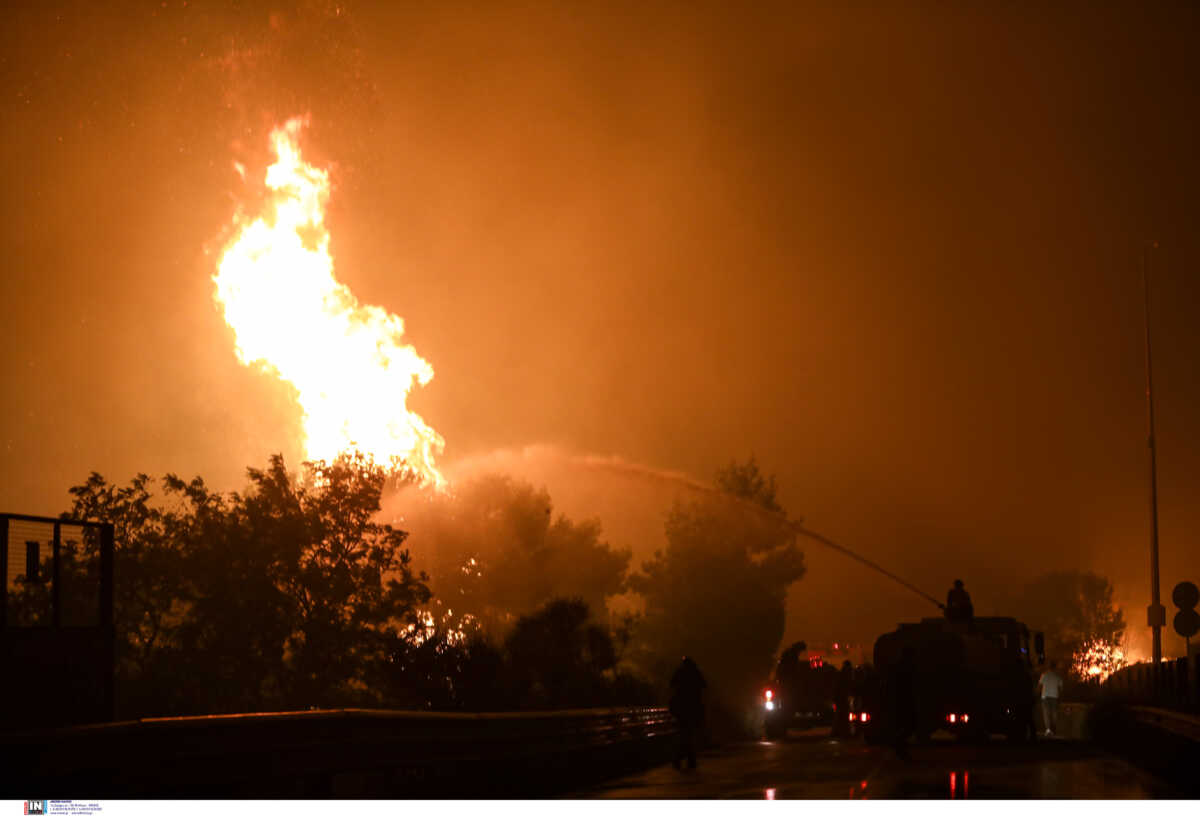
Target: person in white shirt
{"points": [[1050, 687]]}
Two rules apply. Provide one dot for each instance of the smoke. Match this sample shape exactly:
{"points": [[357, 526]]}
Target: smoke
{"points": [[625, 503], [544, 457], [551, 462], [500, 511], [615, 464], [708, 572], [630, 501], [495, 547]]}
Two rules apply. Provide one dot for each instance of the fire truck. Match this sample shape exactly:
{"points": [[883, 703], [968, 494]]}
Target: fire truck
{"points": [[799, 698], [801, 694], [971, 678]]}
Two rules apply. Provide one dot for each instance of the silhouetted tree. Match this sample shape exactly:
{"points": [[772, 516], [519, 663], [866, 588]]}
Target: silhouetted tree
{"points": [[288, 594], [717, 592], [748, 483], [444, 669], [296, 573], [555, 657], [1075, 609], [559, 657], [29, 602], [494, 553], [150, 593]]}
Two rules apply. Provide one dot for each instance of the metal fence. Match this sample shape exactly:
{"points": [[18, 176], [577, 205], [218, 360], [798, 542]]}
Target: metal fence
{"points": [[1148, 714], [56, 621], [1171, 684], [340, 753]]}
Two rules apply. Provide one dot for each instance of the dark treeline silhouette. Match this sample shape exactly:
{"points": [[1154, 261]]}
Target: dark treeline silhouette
{"points": [[285, 595], [292, 594], [554, 658], [494, 551], [718, 592], [1083, 626]]}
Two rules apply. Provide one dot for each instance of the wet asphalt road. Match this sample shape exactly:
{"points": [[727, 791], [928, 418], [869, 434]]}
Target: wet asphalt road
{"points": [[815, 766]]}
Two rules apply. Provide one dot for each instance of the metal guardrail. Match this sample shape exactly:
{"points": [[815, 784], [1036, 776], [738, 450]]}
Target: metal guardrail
{"points": [[1163, 742], [342, 752], [1178, 723], [1171, 684]]}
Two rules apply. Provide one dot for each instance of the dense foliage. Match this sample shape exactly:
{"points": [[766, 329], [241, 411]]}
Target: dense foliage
{"points": [[1084, 629], [717, 593], [291, 594], [285, 595], [494, 552]]}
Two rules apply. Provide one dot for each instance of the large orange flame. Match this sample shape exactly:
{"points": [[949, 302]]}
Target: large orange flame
{"points": [[351, 372]]}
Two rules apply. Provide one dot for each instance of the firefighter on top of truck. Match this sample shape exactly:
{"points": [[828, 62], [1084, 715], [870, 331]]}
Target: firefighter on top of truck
{"points": [[958, 604]]}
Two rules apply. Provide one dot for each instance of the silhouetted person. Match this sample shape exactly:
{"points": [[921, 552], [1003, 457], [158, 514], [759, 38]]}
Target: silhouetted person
{"points": [[789, 663], [958, 604], [791, 675], [1030, 700], [1050, 687], [687, 706], [904, 700], [842, 686]]}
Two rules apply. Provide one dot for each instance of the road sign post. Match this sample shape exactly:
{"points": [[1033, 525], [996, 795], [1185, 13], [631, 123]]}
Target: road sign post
{"points": [[1187, 623], [1156, 614]]}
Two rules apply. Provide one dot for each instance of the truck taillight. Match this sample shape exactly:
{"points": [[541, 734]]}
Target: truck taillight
{"points": [[864, 717], [770, 695], [965, 718], [951, 717], [852, 716]]}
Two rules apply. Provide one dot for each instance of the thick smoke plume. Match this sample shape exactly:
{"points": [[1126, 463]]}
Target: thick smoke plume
{"points": [[700, 569]]}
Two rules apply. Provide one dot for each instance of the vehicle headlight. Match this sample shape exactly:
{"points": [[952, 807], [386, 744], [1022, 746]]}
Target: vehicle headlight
{"points": [[770, 705]]}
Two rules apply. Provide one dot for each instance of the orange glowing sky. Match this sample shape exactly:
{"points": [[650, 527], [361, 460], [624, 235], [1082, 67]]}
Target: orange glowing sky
{"points": [[891, 251]]}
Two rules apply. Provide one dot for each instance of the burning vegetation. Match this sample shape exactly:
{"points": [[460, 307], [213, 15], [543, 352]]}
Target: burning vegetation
{"points": [[477, 595], [1096, 660], [292, 593], [489, 550]]}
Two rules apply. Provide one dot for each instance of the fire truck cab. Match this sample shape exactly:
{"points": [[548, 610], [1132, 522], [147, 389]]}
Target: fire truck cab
{"points": [[801, 693]]}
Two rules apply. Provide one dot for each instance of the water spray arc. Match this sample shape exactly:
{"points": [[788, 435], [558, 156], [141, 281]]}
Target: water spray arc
{"points": [[618, 465], [865, 561]]}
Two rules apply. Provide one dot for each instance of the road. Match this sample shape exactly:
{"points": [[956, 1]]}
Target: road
{"points": [[812, 765]]}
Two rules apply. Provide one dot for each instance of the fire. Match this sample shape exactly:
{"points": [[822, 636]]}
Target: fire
{"points": [[290, 315], [1096, 660]]}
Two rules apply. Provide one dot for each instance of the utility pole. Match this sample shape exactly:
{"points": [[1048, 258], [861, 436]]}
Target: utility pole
{"points": [[1156, 614]]}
